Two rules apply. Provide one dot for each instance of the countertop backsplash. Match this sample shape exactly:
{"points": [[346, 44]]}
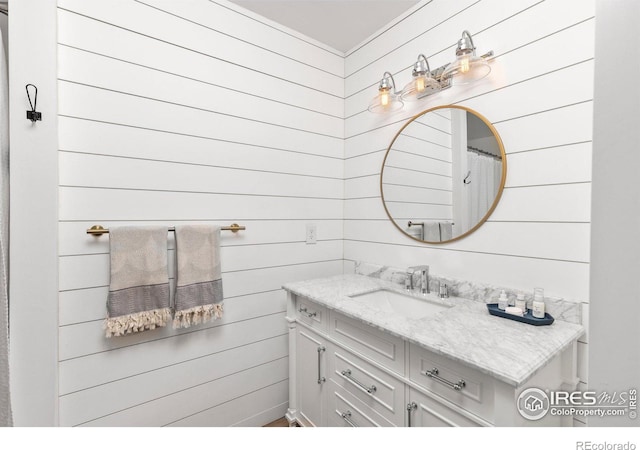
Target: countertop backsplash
{"points": [[559, 308]]}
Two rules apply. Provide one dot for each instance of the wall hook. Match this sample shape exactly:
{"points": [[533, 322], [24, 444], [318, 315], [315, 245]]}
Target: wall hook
{"points": [[33, 115], [466, 179]]}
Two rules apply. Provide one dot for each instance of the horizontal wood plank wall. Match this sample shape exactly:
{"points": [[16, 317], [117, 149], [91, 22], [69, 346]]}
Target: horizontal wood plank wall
{"points": [[538, 96], [192, 112]]}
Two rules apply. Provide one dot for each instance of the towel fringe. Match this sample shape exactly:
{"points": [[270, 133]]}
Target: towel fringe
{"points": [[200, 314], [132, 323]]}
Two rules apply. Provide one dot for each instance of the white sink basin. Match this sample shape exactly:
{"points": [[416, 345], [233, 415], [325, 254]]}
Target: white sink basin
{"points": [[394, 302]]}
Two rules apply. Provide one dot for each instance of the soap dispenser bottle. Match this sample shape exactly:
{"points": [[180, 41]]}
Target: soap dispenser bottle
{"points": [[537, 307], [503, 301], [521, 303]]}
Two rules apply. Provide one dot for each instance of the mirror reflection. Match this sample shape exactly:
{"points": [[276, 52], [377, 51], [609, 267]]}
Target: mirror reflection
{"points": [[443, 174]]}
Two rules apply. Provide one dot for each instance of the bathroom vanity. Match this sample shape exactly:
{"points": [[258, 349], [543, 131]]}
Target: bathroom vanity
{"points": [[363, 352]]}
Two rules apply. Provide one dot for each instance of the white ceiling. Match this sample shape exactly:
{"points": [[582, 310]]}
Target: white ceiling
{"points": [[340, 24]]}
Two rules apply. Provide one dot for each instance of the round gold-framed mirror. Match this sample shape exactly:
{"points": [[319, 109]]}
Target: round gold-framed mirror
{"points": [[443, 174]]}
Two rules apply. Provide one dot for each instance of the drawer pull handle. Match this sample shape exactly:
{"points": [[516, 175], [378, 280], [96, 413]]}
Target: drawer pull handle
{"points": [[347, 418], [433, 373], [411, 407], [321, 379], [369, 389], [307, 313]]}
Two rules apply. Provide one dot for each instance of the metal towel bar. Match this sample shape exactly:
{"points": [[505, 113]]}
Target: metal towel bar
{"points": [[99, 230]]}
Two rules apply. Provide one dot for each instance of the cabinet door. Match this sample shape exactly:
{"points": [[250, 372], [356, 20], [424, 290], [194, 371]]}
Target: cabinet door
{"points": [[311, 367], [423, 411]]}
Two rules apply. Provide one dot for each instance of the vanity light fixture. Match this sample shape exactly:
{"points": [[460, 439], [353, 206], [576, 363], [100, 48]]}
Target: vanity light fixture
{"points": [[468, 67], [387, 99], [422, 82], [465, 69]]}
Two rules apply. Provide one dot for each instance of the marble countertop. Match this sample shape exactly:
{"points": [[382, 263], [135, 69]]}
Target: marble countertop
{"points": [[505, 349]]}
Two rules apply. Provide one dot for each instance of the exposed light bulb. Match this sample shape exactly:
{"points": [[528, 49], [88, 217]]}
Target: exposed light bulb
{"points": [[464, 64], [420, 85], [384, 98]]}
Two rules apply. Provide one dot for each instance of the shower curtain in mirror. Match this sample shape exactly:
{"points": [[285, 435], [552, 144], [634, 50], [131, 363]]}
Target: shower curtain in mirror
{"points": [[5, 399], [482, 194]]}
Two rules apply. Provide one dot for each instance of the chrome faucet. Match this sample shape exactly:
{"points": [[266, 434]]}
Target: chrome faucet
{"points": [[424, 279]]}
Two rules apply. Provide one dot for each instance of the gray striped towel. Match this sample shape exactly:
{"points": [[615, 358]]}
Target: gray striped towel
{"points": [[199, 295], [139, 287]]}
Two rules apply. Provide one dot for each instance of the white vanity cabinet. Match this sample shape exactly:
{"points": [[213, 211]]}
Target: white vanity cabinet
{"points": [[344, 372]]}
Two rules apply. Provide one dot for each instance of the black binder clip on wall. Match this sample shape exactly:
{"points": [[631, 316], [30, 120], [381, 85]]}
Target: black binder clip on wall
{"points": [[33, 115]]}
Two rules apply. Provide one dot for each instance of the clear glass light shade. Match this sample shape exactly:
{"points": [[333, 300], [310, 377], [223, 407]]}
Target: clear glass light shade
{"points": [[468, 68], [385, 101], [419, 86]]}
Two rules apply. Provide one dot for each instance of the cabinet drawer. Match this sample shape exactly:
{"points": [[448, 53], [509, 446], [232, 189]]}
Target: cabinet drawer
{"points": [[375, 388], [384, 348], [476, 393], [311, 314], [347, 411], [427, 412]]}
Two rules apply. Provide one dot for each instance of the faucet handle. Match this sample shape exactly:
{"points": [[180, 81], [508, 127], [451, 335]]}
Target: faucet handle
{"points": [[424, 278], [408, 280]]}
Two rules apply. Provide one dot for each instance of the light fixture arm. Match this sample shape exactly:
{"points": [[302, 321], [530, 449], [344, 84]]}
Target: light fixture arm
{"points": [[421, 67], [465, 44], [384, 83]]}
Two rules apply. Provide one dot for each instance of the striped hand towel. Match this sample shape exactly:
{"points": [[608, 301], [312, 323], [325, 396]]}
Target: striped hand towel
{"points": [[198, 296], [139, 287]]}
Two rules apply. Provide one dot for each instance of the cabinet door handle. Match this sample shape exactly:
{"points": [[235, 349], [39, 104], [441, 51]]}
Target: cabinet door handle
{"points": [[411, 407], [347, 418], [303, 310], [433, 373], [369, 389], [321, 379]]}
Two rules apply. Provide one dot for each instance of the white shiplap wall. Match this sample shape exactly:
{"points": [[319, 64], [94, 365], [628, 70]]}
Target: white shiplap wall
{"points": [[539, 97], [182, 112]]}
